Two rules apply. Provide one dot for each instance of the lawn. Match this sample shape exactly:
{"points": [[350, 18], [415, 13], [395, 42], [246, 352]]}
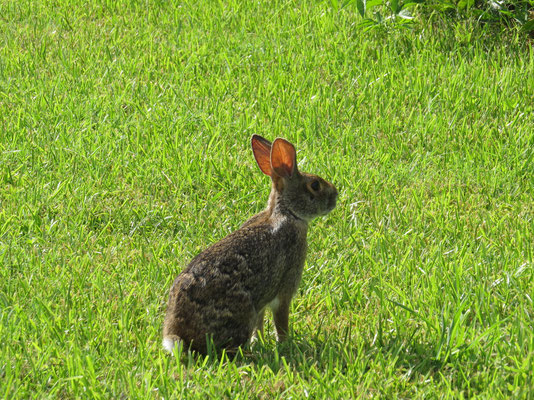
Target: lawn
{"points": [[125, 150]]}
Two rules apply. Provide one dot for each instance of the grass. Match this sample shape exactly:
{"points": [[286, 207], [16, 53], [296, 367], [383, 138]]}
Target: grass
{"points": [[124, 151]]}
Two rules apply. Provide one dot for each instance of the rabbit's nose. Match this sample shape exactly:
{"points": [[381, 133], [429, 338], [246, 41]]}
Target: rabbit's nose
{"points": [[332, 202]]}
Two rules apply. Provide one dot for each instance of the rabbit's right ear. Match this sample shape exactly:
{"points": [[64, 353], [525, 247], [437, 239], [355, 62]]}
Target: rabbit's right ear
{"points": [[262, 153], [283, 158]]}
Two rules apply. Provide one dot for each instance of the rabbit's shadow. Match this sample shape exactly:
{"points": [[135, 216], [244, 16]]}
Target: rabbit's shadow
{"points": [[413, 359], [406, 356]]}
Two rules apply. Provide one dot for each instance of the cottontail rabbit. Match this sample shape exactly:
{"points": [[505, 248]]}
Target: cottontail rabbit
{"points": [[224, 291]]}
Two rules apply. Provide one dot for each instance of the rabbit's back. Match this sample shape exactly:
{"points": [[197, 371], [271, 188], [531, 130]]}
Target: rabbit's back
{"points": [[224, 288]]}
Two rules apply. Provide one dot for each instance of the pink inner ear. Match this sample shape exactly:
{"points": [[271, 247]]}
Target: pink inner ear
{"points": [[262, 153], [283, 158]]}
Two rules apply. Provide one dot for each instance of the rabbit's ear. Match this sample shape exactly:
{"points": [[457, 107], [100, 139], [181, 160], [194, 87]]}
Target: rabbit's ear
{"points": [[262, 153], [283, 158]]}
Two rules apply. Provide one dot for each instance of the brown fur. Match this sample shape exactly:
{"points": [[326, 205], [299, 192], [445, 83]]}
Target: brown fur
{"points": [[224, 291]]}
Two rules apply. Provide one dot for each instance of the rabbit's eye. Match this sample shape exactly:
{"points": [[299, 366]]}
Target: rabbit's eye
{"points": [[315, 185]]}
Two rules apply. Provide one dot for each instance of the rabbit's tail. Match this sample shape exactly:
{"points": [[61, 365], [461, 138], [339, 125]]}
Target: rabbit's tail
{"points": [[170, 342]]}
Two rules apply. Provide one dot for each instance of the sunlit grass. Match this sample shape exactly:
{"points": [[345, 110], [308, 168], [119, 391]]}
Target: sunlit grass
{"points": [[124, 151]]}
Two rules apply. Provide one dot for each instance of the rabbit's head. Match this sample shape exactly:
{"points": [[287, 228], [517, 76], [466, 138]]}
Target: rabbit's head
{"points": [[302, 195]]}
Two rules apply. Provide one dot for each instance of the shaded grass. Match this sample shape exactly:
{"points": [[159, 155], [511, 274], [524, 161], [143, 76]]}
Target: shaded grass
{"points": [[124, 152]]}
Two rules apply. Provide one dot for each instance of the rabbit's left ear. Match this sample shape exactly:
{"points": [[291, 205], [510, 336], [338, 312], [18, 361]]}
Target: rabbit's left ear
{"points": [[262, 153], [283, 158]]}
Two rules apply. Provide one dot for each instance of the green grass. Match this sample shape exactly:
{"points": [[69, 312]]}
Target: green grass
{"points": [[124, 151]]}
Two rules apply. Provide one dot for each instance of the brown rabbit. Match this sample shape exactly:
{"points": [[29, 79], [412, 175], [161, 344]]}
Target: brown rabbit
{"points": [[224, 291]]}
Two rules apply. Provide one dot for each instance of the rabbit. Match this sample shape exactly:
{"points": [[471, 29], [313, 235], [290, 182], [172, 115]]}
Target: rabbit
{"points": [[224, 292]]}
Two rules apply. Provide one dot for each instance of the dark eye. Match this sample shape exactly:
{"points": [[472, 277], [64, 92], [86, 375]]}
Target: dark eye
{"points": [[315, 185]]}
